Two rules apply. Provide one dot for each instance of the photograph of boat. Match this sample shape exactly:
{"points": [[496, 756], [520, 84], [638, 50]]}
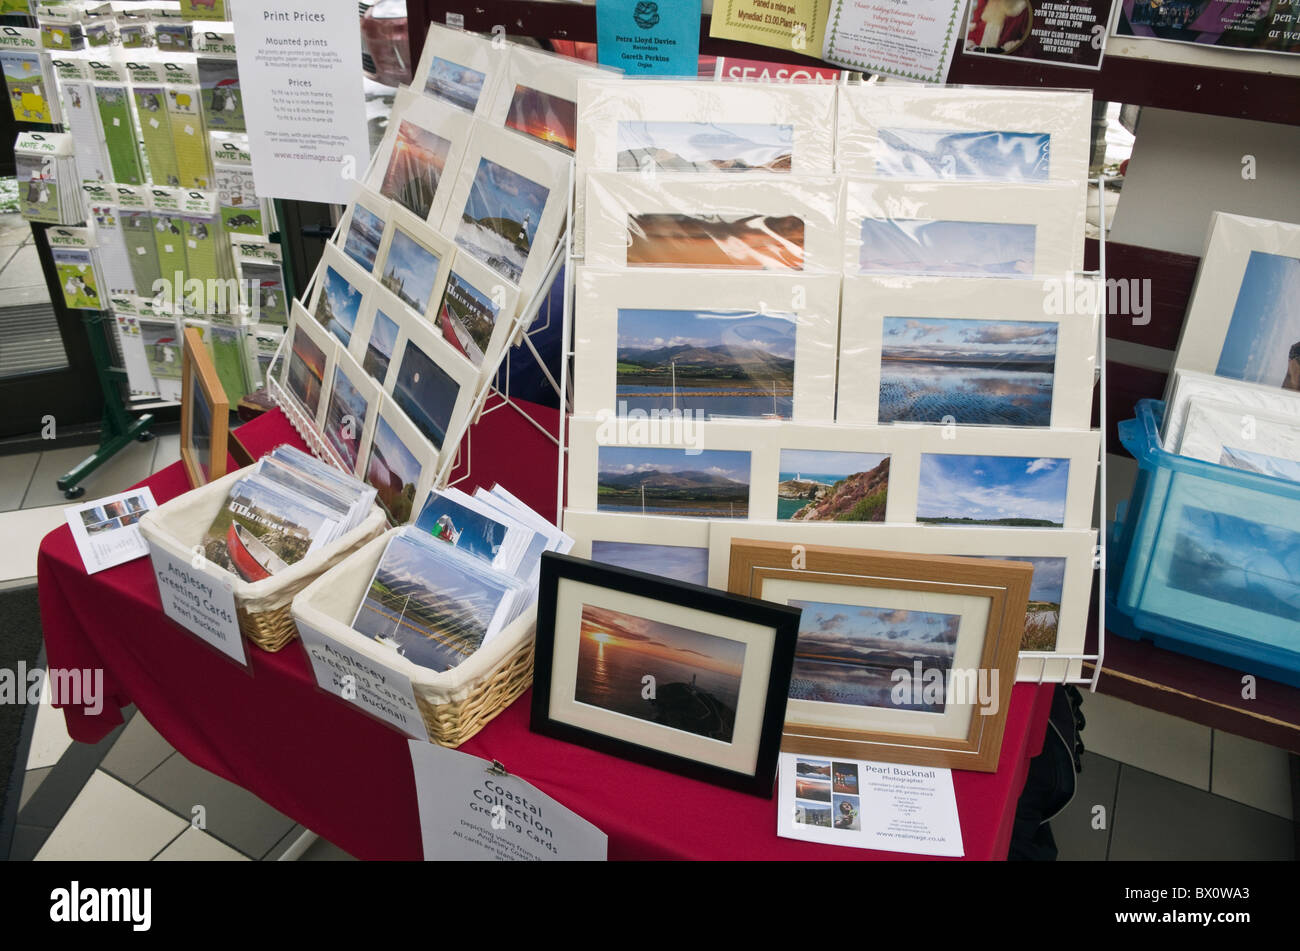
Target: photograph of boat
{"points": [[253, 560], [986, 372], [955, 248], [472, 532], [827, 486], [745, 242], [705, 146], [722, 363], [1015, 491], [711, 483], [696, 675], [415, 168], [273, 530]]}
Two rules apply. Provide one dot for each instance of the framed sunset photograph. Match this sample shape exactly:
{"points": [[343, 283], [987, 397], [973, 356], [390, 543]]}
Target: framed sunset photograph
{"points": [[672, 675]]}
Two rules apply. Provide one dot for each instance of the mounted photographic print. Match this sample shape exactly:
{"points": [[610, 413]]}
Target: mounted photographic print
{"points": [[339, 294], [667, 547], [476, 312], [759, 347], [759, 222], [362, 233], [901, 658], [1244, 318], [414, 262], [538, 95], [509, 204], [460, 68], [1250, 399], [671, 675], [205, 414], [826, 485], [1060, 592], [422, 153], [350, 410], [693, 484], [950, 229], [308, 362], [1224, 433], [982, 352], [379, 332], [959, 489], [941, 133], [400, 463]]}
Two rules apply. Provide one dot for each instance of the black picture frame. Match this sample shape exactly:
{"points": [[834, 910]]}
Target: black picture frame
{"points": [[783, 620]]}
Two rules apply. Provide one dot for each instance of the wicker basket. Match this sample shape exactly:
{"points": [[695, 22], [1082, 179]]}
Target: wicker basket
{"points": [[262, 606], [454, 704]]}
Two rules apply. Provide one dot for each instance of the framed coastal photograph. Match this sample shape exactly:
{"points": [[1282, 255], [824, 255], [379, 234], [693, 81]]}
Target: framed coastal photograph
{"points": [[761, 222], [476, 312], [461, 69], [940, 133], [538, 95], [901, 658], [675, 676], [668, 547], [421, 155], [434, 388], [1060, 593], [950, 229], [509, 205], [349, 419], [979, 351], [414, 262], [339, 294], [361, 233], [307, 366], [399, 462], [205, 413], [988, 479], [1244, 319], [379, 333], [760, 346]]}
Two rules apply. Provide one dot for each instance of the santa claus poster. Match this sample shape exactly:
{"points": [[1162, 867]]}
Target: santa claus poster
{"points": [[1060, 32]]}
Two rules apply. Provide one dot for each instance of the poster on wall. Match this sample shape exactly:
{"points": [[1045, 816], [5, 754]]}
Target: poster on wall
{"points": [[1260, 25], [307, 124], [794, 25], [913, 41], [649, 37], [1061, 33]]}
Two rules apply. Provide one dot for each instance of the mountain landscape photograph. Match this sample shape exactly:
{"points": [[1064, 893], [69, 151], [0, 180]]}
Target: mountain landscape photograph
{"points": [[1012, 491], [711, 483], [848, 653], [722, 363], [983, 372], [959, 248], [705, 146], [827, 486]]}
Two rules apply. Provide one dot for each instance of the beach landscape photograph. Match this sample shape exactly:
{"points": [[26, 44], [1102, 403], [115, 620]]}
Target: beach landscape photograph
{"points": [[721, 363], [345, 418], [394, 472], [961, 248], [812, 769], [415, 168], [306, 374], [1263, 340], [466, 318], [365, 232], [744, 242], [848, 653], [338, 305], [696, 675], [1046, 589], [427, 607], [712, 483], [410, 270], [499, 222], [426, 393], [828, 486], [985, 372], [705, 146], [678, 562], [1013, 491], [973, 156], [380, 347], [818, 790], [547, 118], [453, 83]]}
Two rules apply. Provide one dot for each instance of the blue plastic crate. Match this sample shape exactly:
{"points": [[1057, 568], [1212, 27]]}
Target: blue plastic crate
{"points": [[1205, 559]]}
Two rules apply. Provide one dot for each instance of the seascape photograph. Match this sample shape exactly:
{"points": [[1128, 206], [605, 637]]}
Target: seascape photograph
{"points": [[696, 675], [306, 377], [453, 83], [380, 347], [1263, 340], [426, 394], [848, 653], [499, 222], [982, 372], [547, 118], [721, 363], [1011, 491], [410, 271], [1043, 614], [742, 242], [364, 235], [985, 156], [345, 418], [711, 483], [338, 305], [705, 146], [678, 562], [828, 486], [394, 471], [415, 168], [953, 248]]}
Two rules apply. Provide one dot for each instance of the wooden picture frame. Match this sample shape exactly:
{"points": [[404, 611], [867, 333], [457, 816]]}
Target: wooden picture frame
{"points": [[203, 406], [726, 730], [909, 606]]}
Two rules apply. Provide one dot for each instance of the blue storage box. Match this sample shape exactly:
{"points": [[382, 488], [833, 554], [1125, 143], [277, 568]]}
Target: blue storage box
{"points": [[1205, 559]]}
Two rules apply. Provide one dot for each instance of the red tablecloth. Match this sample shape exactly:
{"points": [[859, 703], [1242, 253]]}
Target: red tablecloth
{"points": [[348, 778]]}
